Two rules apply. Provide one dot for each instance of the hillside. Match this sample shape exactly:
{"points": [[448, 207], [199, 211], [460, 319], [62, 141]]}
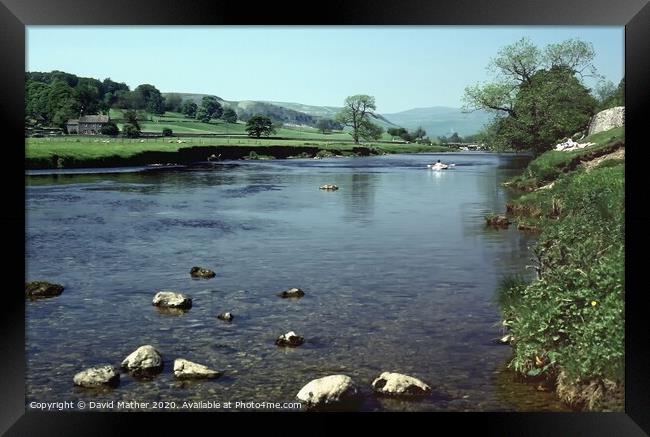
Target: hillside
{"points": [[441, 120], [285, 112]]}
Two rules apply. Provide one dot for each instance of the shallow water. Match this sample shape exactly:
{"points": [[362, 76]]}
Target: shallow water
{"points": [[398, 268]]}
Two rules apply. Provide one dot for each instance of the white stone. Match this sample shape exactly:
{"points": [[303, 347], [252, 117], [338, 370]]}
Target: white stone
{"points": [[607, 119], [400, 385], [172, 299], [144, 359], [184, 369], [327, 390], [97, 377]]}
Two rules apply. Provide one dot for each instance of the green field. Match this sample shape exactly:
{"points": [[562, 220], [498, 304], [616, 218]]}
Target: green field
{"points": [[180, 124]]}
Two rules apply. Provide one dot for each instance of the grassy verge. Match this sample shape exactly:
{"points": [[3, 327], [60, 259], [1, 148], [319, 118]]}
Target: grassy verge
{"points": [[64, 152], [550, 165], [568, 325]]}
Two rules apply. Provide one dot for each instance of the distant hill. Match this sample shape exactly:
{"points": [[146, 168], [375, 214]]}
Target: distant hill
{"points": [[441, 120], [285, 112]]}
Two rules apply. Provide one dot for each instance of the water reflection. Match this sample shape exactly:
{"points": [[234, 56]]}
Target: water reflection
{"points": [[398, 269]]}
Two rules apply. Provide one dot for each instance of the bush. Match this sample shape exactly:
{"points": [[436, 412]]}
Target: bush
{"points": [[130, 131], [167, 132], [110, 128]]}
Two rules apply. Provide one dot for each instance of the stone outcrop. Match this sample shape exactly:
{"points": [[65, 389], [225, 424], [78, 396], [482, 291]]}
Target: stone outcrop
{"points": [[103, 376], [201, 273], [327, 391], [292, 292], [226, 317], [172, 299], [607, 119], [144, 361], [38, 289], [396, 384], [184, 369], [290, 339]]}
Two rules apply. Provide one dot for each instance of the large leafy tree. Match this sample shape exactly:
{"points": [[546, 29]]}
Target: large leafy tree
{"points": [[189, 108], [536, 94], [210, 108], [356, 114], [229, 116], [259, 125], [147, 97]]}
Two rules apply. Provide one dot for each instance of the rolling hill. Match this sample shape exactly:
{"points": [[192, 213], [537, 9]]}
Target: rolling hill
{"points": [[441, 120], [437, 120]]}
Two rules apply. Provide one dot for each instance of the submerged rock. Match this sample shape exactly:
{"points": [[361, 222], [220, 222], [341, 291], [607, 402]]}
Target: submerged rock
{"points": [[37, 289], [102, 376], [200, 272], [500, 221], [227, 317], [329, 390], [172, 299], [506, 339], [292, 292], [290, 339], [396, 384], [144, 361], [329, 187], [184, 369]]}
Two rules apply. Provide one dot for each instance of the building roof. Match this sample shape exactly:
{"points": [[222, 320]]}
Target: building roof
{"points": [[72, 121], [93, 119]]}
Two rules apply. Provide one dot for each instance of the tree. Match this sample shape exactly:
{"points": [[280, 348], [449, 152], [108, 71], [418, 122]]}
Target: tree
{"points": [[419, 133], [147, 97], [211, 108], [356, 113], [533, 89], [609, 95], [167, 132], [173, 102], [110, 128], [259, 125], [130, 131], [203, 115], [455, 138], [189, 108], [553, 106], [370, 131], [131, 118], [229, 116]]}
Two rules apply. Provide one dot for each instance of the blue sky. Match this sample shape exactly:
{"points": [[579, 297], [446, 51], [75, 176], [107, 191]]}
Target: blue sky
{"points": [[403, 67]]}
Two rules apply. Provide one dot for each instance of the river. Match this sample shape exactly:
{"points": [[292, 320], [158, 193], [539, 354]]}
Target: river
{"points": [[398, 268]]}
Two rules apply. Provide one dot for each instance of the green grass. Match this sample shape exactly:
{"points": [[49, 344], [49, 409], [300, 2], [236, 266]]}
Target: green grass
{"points": [[570, 321], [180, 124], [550, 165], [85, 148]]}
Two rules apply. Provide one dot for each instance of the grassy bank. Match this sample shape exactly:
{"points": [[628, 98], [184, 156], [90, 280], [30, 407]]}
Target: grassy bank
{"points": [[568, 325], [69, 152]]}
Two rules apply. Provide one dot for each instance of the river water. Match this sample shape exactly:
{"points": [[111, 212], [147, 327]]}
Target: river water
{"points": [[398, 268]]}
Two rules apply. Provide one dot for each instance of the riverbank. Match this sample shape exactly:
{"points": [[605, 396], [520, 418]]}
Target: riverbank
{"points": [[102, 153], [567, 326]]}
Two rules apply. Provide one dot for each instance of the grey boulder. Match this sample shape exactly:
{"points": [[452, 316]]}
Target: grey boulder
{"points": [[102, 376]]}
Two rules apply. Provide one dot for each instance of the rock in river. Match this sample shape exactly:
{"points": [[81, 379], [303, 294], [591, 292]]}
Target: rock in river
{"points": [[42, 289], [144, 361], [290, 339], [500, 221], [292, 292], [329, 390], [226, 317], [98, 377], [200, 272], [329, 187], [184, 369], [172, 299], [396, 384]]}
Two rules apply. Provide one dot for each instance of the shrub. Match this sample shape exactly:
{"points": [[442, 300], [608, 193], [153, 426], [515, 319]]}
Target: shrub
{"points": [[167, 132]]}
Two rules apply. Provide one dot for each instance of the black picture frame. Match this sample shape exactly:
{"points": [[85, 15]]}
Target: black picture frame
{"points": [[16, 14]]}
